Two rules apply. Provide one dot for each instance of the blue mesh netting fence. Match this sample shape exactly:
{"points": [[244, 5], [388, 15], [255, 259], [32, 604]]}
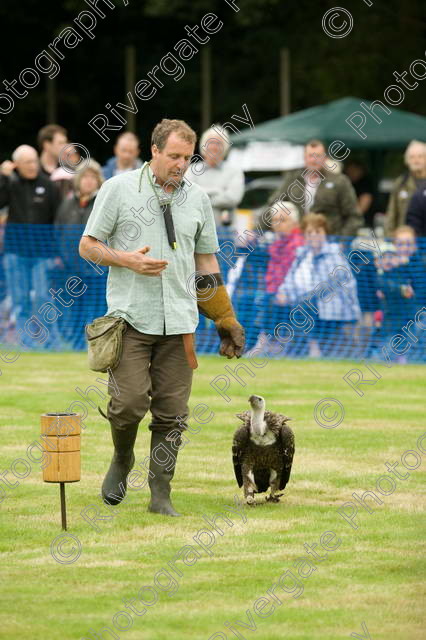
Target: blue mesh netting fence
{"points": [[348, 301]]}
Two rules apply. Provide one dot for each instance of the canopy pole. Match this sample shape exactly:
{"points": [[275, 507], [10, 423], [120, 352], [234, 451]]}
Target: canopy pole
{"points": [[206, 88], [130, 74], [284, 81]]}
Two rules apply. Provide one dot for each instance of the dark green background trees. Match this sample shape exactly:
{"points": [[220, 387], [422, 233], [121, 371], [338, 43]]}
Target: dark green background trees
{"points": [[386, 37]]}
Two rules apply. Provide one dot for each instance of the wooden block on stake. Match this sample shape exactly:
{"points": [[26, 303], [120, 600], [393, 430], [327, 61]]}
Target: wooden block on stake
{"points": [[61, 440], [60, 434], [63, 467]]}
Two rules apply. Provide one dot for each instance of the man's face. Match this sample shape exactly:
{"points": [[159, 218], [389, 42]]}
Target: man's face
{"points": [[416, 158], [126, 151], [27, 165], [213, 151], [55, 147], [314, 157], [171, 163]]}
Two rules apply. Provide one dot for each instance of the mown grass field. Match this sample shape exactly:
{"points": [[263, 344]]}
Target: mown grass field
{"points": [[375, 576]]}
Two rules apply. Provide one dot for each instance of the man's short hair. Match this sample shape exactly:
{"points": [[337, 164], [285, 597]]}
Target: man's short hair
{"points": [[128, 134], [315, 142], [412, 144], [47, 133], [164, 128], [23, 148]]}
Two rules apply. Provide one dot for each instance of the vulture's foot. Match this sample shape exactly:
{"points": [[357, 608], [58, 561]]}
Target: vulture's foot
{"points": [[250, 500], [274, 498]]}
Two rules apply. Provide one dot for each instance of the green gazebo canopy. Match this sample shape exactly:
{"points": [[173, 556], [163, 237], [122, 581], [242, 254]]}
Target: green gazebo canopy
{"points": [[328, 122]]}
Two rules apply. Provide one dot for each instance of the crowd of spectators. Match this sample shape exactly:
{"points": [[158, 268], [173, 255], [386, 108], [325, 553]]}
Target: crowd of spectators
{"points": [[319, 215], [335, 211]]}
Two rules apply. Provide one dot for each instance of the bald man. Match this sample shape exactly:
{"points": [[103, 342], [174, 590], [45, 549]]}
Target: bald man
{"points": [[32, 200]]}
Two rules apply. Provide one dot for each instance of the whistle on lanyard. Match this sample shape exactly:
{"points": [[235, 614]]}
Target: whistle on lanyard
{"points": [[170, 228]]}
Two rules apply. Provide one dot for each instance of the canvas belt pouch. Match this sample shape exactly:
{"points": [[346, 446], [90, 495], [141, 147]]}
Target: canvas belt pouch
{"points": [[105, 342]]}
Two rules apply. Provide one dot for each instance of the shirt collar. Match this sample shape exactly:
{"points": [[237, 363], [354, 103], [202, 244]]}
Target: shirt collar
{"points": [[155, 181], [154, 177]]}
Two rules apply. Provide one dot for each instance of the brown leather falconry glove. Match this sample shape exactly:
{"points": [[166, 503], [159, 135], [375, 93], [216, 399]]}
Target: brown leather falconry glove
{"points": [[214, 303]]}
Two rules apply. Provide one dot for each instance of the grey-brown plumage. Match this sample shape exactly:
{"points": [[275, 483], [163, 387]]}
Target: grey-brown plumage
{"points": [[262, 451]]}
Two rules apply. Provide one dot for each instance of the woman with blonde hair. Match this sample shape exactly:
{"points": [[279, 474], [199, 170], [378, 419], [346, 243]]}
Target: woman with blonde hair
{"points": [[72, 215], [78, 206]]}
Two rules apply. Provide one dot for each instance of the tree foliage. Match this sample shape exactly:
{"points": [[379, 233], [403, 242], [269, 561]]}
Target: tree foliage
{"points": [[386, 37]]}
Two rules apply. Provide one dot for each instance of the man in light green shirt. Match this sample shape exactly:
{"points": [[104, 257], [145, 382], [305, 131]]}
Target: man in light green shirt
{"points": [[162, 264], [127, 215]]}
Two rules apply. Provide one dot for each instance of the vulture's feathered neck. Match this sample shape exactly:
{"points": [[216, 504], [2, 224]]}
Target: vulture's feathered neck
{"points": [[257, 421]]}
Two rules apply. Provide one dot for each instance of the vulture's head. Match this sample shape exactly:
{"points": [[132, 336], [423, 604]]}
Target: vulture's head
{"points": [[257, 402]]}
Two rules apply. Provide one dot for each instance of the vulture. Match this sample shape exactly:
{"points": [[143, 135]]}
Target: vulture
{"points": [[262, 451]]}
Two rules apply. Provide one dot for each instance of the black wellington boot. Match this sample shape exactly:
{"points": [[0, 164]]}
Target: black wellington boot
{"points": [[159, 483], [115, 483]]}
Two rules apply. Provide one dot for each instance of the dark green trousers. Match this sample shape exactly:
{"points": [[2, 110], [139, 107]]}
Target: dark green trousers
{"points": [[154, 374]]}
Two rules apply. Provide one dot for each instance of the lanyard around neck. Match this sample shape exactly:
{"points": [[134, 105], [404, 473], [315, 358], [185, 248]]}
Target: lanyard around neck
{"points": [[153, 187], [165, 208]]}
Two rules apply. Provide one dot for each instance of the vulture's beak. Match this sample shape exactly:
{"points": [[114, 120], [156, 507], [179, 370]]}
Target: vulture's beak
{"points": [[256, 401]]}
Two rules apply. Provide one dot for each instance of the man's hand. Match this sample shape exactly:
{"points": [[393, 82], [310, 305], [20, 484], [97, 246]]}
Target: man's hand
{"points": [[232, 337], [7, 167], [140, 263]]}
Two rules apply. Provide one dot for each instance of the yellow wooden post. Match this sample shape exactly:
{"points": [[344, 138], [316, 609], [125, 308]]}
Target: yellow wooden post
{"points": [[60, 434]]}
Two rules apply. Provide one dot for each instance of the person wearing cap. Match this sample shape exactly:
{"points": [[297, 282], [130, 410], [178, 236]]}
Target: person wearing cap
{"points": [[161, 240]]}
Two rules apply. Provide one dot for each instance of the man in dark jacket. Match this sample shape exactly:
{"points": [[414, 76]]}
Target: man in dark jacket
{"points": [[406, 185], [321, 188], [416, 213], [32, 200]]}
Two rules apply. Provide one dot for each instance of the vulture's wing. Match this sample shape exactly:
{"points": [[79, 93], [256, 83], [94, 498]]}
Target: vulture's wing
{"points": [[244, 416], [240, 441], [287, 448]]}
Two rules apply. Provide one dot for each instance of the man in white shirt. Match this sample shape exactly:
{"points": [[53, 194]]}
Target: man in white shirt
{"points": [[223, 184]]}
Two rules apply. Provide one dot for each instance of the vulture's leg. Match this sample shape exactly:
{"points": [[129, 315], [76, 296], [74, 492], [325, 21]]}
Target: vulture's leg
{"points": [[273, 483], [249, 484]]}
